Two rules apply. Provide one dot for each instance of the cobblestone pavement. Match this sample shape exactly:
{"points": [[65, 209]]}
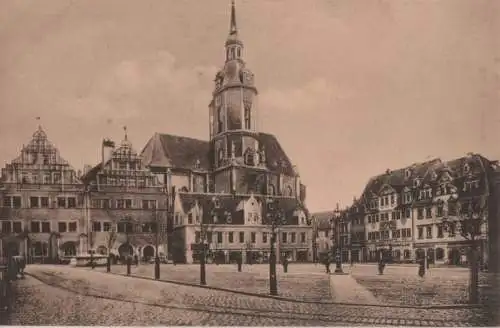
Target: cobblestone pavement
{"points": [[400, 285], [296, 284], [60, 295]]}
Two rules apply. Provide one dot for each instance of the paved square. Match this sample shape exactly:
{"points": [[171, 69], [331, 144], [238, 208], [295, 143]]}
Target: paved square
{"points": [[401, 285], [304, 282]]}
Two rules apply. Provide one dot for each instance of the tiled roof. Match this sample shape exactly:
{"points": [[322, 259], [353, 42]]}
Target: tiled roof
{"points": [[183, 152], [398, 180], [231, 204], [322, 220], [276, 158]]}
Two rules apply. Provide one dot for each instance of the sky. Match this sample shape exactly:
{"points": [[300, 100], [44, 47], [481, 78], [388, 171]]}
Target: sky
{"points": [[349, 87]]}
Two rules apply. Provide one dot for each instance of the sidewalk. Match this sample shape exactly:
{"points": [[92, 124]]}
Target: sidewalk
{"points": [[345, 289]]}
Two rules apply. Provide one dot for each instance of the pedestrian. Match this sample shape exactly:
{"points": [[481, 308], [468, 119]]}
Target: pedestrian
{"points": [[136, 260], [285, 264], [327, 264], [22, 266], [239, 261], [381, 267], [421, 268]]}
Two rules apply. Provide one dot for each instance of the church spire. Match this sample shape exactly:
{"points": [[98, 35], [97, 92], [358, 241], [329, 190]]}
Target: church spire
{"points": [[232, 39], [233, 29]]}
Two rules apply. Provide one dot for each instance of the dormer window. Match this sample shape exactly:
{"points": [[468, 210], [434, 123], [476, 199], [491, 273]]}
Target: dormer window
{"points": [[466, 168], [433, 175], [416, 183], [408, 173]]}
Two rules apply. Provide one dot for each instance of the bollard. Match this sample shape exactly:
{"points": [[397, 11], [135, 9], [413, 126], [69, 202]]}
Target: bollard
{"points": [[129, 260]]}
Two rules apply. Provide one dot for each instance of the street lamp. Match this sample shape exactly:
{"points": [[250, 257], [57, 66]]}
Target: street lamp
{"points": [[157, 257], [276, 218], [336, 224]]}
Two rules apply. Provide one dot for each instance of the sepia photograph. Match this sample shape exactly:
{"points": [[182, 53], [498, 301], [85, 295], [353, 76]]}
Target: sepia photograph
{"points": [[250, 163]]}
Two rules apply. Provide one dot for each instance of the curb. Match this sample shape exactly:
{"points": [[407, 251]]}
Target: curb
{"points": [[284, 299]]}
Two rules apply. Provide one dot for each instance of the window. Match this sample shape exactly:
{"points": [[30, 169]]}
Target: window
{"points": [[219, 237], [120, 203], [242, 237], [393, 199], [197, 237], [46, 227], [61, 227], [428, 213], [128, 203], [148, 204], [420, 233], [292, 237], [6, 227], [106, 226], [190, 218], [302, 237], [34, 202], [71, 202], [231, 237], [451, 230], [16, 201], [439, 210], [283, 237], [252, 237], [35, 226], [396, 234], [95, 203], [408, 213], [420, 213], [61, 202], [209, 237], [105, 203], [7, 201], [440, 231], [429, 232], [18, 227], [326, 233], [44, 202], [96, 226]]}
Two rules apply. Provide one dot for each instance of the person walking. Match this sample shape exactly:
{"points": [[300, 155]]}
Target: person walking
{"points": [[327, 264]]}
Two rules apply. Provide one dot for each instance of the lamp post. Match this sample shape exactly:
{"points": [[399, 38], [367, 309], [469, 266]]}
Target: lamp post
{"points": [[276, 218], [157, 257], [336, 224]]}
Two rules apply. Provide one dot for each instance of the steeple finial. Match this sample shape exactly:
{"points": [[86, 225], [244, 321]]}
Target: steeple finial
{"points": [[125, 129], [233, 29]]}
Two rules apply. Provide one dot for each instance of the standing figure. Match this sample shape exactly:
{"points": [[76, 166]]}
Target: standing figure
{"points": [[327, 264], [421, 268], [239, 261], [285, 264]]}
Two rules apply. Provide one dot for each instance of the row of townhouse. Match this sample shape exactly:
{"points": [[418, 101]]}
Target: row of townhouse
{"points": [[417, 211]]}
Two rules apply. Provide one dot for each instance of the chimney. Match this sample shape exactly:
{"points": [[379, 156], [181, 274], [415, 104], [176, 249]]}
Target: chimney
{"points": [[107, 150]]}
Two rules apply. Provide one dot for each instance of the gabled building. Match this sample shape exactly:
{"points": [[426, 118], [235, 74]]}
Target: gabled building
{"points": [[223, 184], [41, 211], [404, 209], [125, 204]]}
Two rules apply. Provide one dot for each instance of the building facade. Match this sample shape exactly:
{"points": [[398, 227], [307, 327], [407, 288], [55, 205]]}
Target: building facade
{"points": [[125, 205], [176, 195], [42, 202], [416, 211], [219, 189]]}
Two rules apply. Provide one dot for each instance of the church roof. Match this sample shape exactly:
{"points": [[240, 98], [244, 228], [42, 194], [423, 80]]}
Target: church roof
{"points": [[166, 150]]}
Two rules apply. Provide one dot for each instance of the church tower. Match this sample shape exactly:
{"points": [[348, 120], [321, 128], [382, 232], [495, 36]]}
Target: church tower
{"points": [[234, 136]]}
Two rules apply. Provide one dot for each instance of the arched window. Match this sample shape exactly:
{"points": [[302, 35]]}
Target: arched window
{"points": [[250, 157], [289, 191], [220, 155], [271, 190], [248, 117]]}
